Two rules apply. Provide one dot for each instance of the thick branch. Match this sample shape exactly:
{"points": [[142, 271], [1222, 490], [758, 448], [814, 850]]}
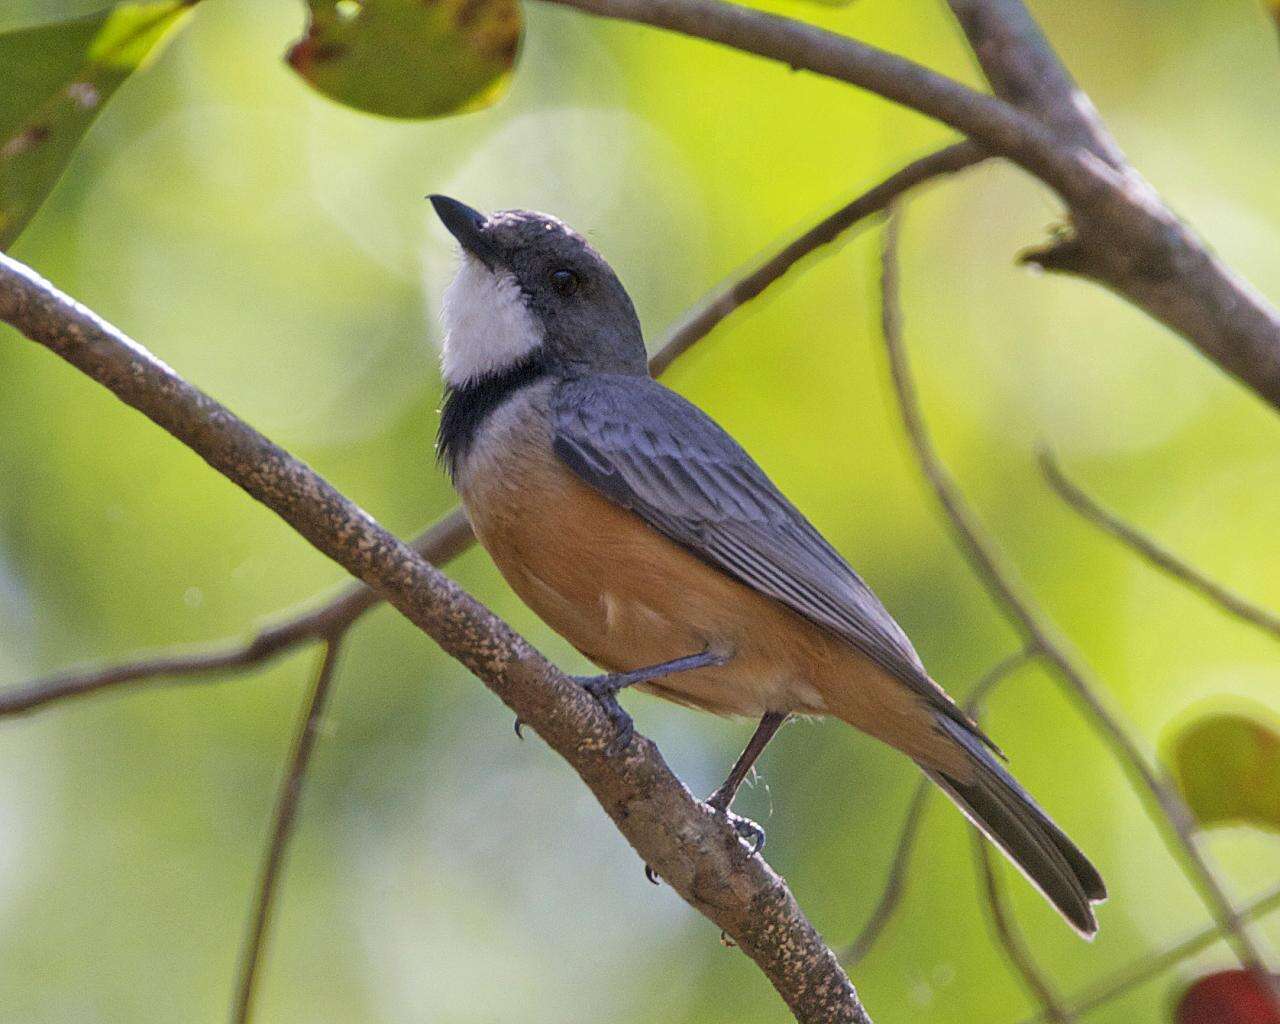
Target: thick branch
{"points": [[1126, 239], [697, 853], [1167, 808], [1023, 69]]}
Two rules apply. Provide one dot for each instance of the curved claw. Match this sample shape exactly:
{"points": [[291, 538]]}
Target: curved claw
{"points": [[748, 831], [519, 726], [652, 875], [603, 691]]}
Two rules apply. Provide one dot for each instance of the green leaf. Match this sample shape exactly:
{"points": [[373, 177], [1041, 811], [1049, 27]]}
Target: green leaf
{"points": [[409, 58], [1228, 766], [54, 80]]}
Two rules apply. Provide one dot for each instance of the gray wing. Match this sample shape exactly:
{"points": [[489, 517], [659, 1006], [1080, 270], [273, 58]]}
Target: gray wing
{"points": [[651, 451]]}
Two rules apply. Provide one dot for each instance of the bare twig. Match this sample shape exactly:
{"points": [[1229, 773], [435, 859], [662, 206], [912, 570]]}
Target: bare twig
{"points": [[895, 885], [1166, 806], [438, 544], [900, 862], [1162, 558], [1145, 968], [1125, 238], [695, 851], [282, 829], [1011, 939], [726, 300], [1002, 920], [451, 535]]}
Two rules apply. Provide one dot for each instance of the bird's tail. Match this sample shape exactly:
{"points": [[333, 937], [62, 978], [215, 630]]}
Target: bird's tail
{"points": [[1008, 816]]}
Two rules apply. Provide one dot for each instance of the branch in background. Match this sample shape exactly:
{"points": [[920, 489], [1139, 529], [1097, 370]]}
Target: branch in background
{"points": [[1023, 69], [1125, 237], [451, 535], [1001, 913], [282, 828], [726, 300], [445, 540], [1145, 968], [696, 852], [900, 862], [1015, 946], [1165, 805], [1163, 559]]}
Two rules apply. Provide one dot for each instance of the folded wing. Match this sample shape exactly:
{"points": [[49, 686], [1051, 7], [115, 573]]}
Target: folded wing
{"points": [[651, 451]]}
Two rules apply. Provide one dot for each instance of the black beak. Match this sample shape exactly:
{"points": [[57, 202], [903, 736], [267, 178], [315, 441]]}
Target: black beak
{"points": [[467, 226]]}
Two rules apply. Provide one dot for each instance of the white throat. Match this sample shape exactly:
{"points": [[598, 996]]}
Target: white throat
{"points": [[488, 327]]}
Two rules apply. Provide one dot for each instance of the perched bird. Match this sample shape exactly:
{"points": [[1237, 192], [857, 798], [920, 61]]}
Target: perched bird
{"points": [[640, 531]]}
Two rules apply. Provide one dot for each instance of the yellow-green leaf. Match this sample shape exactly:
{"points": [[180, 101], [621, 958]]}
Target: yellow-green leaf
{"points": [[409, 58], [1228, 767], [54, 80]]}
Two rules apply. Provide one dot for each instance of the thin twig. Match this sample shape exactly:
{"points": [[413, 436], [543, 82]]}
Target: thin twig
{"points": [[441, 542], [1010, 937], [451, 535], [900, 862], [1017, 952], [1145, 968], [1166, 806], [726, 299], [1160, 557], [282, 829], [895, 885], [697, 853]]}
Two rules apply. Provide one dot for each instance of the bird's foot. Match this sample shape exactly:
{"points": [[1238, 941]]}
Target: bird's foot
{"points": [[748, 831], [605, 690]]}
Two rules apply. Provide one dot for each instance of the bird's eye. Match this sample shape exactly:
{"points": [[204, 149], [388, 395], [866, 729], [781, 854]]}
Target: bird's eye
{"points": [[564, 281]]}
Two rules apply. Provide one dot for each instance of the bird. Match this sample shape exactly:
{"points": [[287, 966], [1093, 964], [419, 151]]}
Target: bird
{"points": [[639, 530]]}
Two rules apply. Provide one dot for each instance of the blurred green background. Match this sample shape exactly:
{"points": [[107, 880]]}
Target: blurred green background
{"points": [[275, 249]]}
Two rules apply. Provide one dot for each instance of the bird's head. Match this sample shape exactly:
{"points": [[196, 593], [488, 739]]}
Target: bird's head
{"points": [[529, 286]]}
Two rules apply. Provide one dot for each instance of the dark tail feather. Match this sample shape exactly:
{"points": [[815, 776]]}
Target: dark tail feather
{"points": [[1011, 819]]}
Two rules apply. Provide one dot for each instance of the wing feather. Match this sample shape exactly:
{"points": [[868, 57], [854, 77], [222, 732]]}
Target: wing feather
{"points": [[651, 451]]}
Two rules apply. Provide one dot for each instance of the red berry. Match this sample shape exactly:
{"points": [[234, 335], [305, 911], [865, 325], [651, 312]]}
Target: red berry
{"points": [[1228, 997]]}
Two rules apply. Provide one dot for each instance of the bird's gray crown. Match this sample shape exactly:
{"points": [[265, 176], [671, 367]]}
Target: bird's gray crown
{"points": [[530, 283]]}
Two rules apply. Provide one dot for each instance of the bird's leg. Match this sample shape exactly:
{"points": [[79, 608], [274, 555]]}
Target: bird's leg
{"points": [[722, 799], [605, 689]]}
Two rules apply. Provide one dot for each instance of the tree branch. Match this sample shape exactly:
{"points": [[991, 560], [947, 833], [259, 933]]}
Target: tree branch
{"points": [[1015, 946], [451, 535], [1125, 237], [1001, 913], [900, 862], [696, 852], [1160, 557], [1024, 70], [282, 828], [1145, 968], [1167, 809], [709, 314], [440, 543]]}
